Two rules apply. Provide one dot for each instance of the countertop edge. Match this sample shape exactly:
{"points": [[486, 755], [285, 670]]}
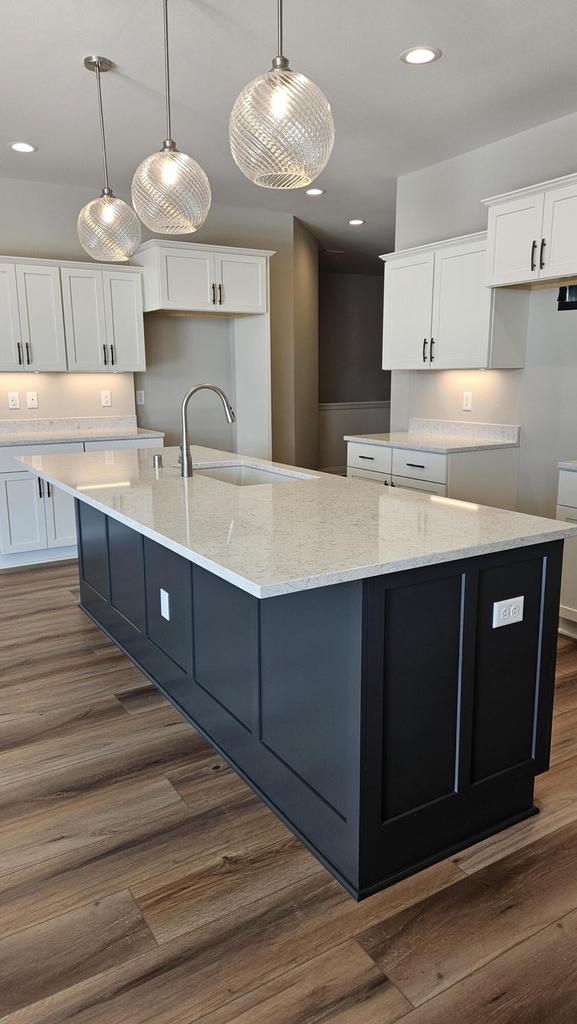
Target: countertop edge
{"points": [[480, 445]]}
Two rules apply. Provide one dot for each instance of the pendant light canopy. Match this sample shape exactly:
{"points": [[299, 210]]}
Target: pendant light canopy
{"points": [[281, 126], [170, 191], [108, 228]]}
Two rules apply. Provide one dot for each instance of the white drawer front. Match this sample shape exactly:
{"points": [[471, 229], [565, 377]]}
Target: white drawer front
{"points": [[367, 474], [373, 457], [107, 446], [567, 488], [420, 465], [409, 484], [8, 463]]}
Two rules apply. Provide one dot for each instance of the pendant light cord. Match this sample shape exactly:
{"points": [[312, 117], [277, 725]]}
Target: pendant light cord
{"points": [[279, 22], [167, 72], [102, 135]]}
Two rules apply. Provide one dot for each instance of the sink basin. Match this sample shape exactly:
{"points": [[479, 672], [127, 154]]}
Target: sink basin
{"points": [[243, 475]]}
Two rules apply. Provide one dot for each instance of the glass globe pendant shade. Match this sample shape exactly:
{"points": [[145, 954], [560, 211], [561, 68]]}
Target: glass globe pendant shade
{"points": [[171, 192], [281, 129], [108, 229]]}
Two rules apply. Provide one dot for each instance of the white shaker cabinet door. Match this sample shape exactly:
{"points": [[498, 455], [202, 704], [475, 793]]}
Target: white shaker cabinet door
{"points": [[514, 240], [187, 280], [407, 312], [559, 252], [124, 321], [60, 517], [461, 308], [41, 319], [11, 351], [84, 318], [568, 609], [22, 516], [241, 283]]}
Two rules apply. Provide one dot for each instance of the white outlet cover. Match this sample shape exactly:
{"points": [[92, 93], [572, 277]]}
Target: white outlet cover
{"points": [[105, 398], [507, 613], [165, 604], [32, 399], [467, 401], [13, 400], [140, 397]]}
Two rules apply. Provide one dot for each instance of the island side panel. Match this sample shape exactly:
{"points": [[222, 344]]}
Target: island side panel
{"points": [[449, 688]]}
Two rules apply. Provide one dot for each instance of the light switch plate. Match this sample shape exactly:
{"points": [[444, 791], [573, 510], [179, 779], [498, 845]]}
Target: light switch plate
{"points": [[32, 399], [165, 604], [105, 398], [467, 401], [140, 397], [13, 400], [507, 613]]}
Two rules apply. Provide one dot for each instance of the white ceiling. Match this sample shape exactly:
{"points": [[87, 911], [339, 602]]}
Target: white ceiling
{"points": [[507, 65]]}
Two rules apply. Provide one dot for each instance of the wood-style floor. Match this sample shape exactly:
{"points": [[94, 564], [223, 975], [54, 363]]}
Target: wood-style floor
{"points": [[141, 881]]}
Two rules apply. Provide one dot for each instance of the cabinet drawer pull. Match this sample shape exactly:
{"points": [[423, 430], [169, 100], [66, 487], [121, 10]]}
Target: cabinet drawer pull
{"points": [[425, 343], [414, 465], [19, 348], [541, 253], [533, 251], [104, 350], [431, 357], [28, 359], [40, 488], [213, 288], [370, 458]]}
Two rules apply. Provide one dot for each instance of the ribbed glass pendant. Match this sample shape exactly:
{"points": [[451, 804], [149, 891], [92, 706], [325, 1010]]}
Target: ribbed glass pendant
{"points": [[170, 191], [281, 126], [108, 229]]}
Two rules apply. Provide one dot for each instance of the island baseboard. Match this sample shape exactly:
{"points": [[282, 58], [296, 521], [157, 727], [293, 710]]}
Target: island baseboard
{"points": [[383, 720]]}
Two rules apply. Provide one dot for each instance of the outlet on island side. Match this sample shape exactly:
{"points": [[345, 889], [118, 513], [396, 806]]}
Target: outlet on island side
{"points": [[506, 613], [467, 401], [105, 398]]}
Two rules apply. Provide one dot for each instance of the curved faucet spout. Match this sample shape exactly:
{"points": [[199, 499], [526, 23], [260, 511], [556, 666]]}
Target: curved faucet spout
{"points": [[186, 466]]}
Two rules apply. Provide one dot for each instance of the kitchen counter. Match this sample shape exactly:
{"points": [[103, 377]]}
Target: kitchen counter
{"points": [[340, 645], [101, 428], [570, 466], [446, 436], [296, 535]]}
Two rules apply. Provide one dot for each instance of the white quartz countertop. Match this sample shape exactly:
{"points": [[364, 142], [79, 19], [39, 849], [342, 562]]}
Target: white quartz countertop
{"points": [[570, 466], [444, 443], [22, 437], [276, 538]]}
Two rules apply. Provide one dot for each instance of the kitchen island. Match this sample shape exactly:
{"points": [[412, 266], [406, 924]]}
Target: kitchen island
{"points": [[337, 643]]}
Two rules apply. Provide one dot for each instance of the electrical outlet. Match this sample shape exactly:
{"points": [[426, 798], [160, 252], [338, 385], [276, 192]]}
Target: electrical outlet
{"points": [[105, 398], [467, 401], [165, 604], [32, 399], [140, 397], [506, 613], [13, 400]]}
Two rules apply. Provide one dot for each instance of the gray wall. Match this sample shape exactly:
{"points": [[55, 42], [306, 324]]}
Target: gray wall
{"points": [[443, 201], [306, 357], [350, 338]]}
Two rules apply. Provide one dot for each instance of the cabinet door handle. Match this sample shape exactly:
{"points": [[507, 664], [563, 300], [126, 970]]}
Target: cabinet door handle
{"points": [[213, 287], [533, 251], [414, 465], [105, 353], [19, 349], [541, 254], [370, 458], [425, 343], [220, 295], [40, 488], [431, 357], [28, 359], [48, 490], [112, 355]]}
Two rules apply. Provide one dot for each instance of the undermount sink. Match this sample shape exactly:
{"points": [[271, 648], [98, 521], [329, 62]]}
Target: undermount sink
{"points": [[243, 475]]}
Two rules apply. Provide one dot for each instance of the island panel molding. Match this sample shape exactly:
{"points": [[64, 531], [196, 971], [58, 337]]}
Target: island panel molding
{"points": [[384, 749]]}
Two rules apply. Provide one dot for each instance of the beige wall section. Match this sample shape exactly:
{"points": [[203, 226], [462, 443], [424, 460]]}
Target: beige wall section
{"points": [[443, 201], [67, 394], [306, 348]]}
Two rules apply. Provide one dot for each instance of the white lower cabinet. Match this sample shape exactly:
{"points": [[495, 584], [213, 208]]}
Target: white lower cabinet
{"points": [[60, 517], [22, 514]]}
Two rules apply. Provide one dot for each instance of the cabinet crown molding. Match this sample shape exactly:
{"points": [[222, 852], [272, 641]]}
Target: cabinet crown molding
{"points": [[162, 243], [476, 236], [529, 190], [121, 268]]}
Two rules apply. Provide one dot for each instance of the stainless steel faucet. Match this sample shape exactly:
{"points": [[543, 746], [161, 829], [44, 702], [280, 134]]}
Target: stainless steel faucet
{"points": [[186, 458]]}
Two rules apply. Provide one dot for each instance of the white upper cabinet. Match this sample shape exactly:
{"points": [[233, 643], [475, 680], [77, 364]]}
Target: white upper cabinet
{"points": [[203, 279], [11, 351], [41, 320], [440, 315], [103, 316], [532, 233]]}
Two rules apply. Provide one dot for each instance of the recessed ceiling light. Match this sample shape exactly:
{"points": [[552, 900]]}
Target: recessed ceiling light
{"points": [[315, 192], [355, 223], [421, 55], [23, 147]]}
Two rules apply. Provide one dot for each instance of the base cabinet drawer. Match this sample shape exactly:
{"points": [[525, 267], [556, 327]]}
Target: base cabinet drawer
{"points": [[567, 496], [372, 457], [419, 485], [383, 479], [420, 465]]}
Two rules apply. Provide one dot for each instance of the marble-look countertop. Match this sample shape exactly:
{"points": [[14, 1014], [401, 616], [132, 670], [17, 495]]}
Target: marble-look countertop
{"points": [[446, 436], [273, 539], [571, 466], [89, 428]]}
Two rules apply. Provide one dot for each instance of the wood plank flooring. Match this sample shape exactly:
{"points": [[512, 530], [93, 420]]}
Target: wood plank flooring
{"points": [[141, 881]]}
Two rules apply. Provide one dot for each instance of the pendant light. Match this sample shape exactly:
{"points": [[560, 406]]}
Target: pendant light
{"points": [[108, 228], [170, 191], [281, 126]]}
